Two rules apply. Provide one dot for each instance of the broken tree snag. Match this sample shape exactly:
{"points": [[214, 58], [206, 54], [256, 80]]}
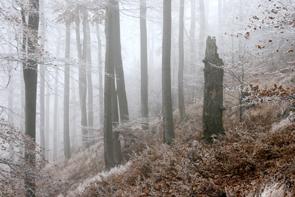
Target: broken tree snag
{"points": [[213, 92]]}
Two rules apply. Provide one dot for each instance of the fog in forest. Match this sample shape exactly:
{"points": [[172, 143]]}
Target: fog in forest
{"points": [[99, 97]]}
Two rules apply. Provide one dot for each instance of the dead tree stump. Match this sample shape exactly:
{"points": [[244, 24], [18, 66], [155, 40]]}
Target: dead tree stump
{"points": [[213, 92]]}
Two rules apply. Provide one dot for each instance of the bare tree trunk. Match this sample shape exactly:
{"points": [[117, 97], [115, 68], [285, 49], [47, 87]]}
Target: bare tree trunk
{"points": [[203, 27], [166, 75], [82, 85], [56, 117], [47, 118], [22, 101], [144, 63], [75, 134], [108, 95], [42, 82], [120, 81], [100, 73], [242, 77], [220, 20], [87, 58], [115, 108], [10, 113], [42, 109], [213, 95], [30, 77], [10, 101], [193, 53], [67, 141], [181, 62]]}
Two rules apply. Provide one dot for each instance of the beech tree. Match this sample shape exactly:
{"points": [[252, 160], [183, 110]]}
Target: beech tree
{"points": [[108, 88], [82, 82], [203, 27], [67, 141], [100, 73], [87, 61], [119, 71], [193, 51], [144, 62], [30, 44], [166, 75], [56, 109], [42, 81], [181, 105]]}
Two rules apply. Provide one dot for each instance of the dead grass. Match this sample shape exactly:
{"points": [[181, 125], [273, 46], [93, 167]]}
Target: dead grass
{"points": [[241, 162]]}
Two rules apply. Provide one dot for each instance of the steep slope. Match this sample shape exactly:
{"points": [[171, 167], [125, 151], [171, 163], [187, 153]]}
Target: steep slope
{"points": [[254, 157]]}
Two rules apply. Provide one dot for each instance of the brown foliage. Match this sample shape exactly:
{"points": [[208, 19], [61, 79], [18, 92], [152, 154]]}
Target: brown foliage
{"points": [[236, 164]]}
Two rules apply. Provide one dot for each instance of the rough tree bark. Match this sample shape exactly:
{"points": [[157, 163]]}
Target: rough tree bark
{"points": [[82, 84], [213, 92], [166, 75], [181, 105], [30, 78], [144, 63], [67, 141]]}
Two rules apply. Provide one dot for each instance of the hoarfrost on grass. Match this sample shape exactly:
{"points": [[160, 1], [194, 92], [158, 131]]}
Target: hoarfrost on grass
{"points": [[99, 177]]}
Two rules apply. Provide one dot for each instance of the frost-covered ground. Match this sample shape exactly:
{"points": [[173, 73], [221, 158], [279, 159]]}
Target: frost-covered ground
{"points": [[252, 156], [98, 178]]}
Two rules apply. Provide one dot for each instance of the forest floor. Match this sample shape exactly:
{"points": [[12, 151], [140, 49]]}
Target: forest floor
{"points": [[255, 157]]}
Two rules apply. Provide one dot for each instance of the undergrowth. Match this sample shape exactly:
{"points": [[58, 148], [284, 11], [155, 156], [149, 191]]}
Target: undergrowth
{"points": [[240, 163]]}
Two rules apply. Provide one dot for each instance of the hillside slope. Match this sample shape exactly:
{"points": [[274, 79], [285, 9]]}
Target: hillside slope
{"points": [[255, 157]]}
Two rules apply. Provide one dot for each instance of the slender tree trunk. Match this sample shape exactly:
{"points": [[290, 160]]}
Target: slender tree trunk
{"points": [[220, 20], [75, 139], [109, 80], [100, 73], [10, 114], [56, 107], [203, 28], [82, 85], [56, 115], [24, 56], [119, 99], [87, 58], [22, 101], [67, 141], [181, 62], [213, 95], [193, 53], [42, 83], [242, 78], [42, 109], [10, 101], [120, 81], [47, 118], [166, 75], [144, 63], [30, 77]]}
